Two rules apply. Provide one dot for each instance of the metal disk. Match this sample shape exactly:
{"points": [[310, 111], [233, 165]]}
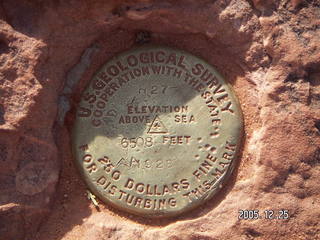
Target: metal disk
{"points": [[157, 132]]}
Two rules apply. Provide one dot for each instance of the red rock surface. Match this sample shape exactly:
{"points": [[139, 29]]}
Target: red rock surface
{"points": [[268, 50]]}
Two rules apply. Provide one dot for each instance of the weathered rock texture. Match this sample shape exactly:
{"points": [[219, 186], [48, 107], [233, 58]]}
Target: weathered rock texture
{"points": [[268, 50]]}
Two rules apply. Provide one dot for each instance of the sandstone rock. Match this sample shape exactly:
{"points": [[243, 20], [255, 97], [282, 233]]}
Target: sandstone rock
{"points": [[268, 50]]}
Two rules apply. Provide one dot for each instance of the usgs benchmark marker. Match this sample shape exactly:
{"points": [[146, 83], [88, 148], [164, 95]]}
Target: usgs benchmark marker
{"points": [[157, 132]]}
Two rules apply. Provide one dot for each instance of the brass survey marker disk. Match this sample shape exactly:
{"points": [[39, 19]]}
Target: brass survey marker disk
{"points": [[156, 132]]}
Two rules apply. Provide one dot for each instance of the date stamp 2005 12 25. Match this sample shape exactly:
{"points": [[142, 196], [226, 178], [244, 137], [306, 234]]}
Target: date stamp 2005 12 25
{"points": [[268, 214]]}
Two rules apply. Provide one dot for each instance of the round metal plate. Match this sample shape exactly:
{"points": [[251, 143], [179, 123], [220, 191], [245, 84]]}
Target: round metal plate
{"points": [[157, 132]]}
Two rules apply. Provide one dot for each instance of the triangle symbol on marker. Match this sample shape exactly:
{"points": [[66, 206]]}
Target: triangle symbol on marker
{"points": [[157, 126]]}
